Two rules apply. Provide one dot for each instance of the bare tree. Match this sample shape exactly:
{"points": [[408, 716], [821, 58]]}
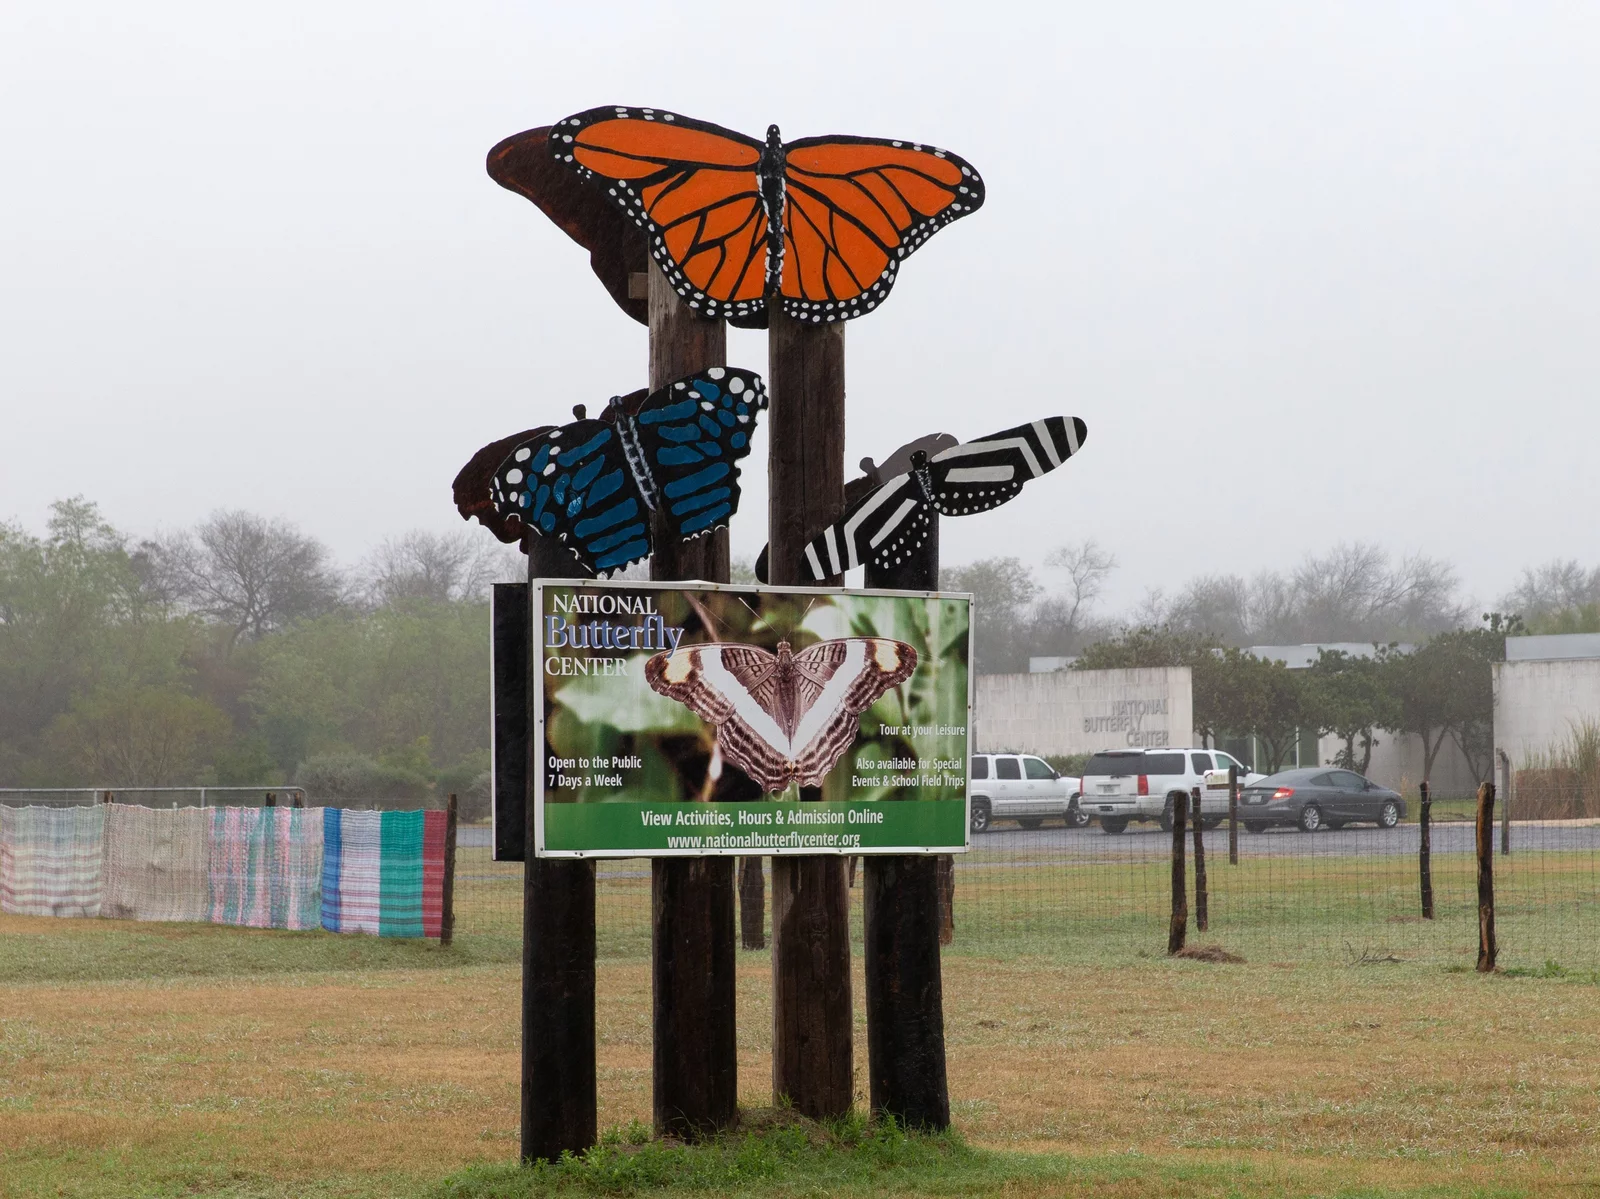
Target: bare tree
{"points": [[1351, 593], [1087, 567], [437, 566], [249, 573], [1554, 587]]}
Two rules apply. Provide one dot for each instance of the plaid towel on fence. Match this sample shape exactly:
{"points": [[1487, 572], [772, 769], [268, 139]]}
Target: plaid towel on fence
{"points": [[157, 863], [51, 860], [332, 861], [400, 912], [266, 867], [433, 871], [360, 871]]}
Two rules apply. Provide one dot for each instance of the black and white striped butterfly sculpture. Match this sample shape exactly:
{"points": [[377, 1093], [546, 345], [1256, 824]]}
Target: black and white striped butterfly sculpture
{"points": [[890, 522], [594, 484]]}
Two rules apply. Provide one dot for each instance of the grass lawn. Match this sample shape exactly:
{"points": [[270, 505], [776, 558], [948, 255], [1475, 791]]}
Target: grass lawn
{"points": [[1353, 1053]]}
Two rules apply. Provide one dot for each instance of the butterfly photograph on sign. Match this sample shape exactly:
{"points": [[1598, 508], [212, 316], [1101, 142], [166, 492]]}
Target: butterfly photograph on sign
{"points": [[594, 484], [818, 226], [783, 717], [750, 719]]}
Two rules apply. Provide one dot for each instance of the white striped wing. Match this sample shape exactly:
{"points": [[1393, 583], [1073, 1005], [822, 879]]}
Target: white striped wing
{"points": [[978, 475]]}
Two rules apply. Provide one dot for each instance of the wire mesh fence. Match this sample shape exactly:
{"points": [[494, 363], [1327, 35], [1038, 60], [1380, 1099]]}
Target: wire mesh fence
{"points": [[1351, 895]]}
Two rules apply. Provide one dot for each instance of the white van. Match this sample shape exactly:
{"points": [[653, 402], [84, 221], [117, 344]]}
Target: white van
{"points": [[1023, 788], [1122, 785]]}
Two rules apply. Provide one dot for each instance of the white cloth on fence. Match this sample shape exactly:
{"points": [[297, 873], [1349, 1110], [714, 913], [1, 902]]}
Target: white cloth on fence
{"points": [[157, 863], [51, 860], [361, 872]]}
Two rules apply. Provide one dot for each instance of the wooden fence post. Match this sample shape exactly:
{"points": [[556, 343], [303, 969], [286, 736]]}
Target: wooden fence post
{"points": [[812, 1027], [752, 904], [559, 1087], [1201, 921], [901, 925], [271, 800], [1425, 847], [1178, 926], [1505, 804], [695, 1052], [447, 891], [947, 898], [1233, 815], [1487, 950]]}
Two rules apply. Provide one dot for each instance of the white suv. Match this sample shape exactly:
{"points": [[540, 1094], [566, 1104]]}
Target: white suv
{"points": [[1121, 785], [1023, 788]]}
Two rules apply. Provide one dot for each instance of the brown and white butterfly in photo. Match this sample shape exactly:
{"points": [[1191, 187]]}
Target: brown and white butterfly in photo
{"points": [[783, 717]]}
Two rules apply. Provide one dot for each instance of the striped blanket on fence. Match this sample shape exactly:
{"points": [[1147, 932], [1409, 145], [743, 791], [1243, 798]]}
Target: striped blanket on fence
{"points": [[375, 871], [266, 867], [51, 860], [157, 863]]}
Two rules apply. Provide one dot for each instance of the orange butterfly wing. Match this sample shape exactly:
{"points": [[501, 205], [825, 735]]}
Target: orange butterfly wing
{"points": [[694, 189], [853, 209], [856, 208]]}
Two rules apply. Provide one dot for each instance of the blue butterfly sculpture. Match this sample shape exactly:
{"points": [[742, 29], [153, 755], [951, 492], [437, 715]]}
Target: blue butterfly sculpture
{"points": [[594, 485]]}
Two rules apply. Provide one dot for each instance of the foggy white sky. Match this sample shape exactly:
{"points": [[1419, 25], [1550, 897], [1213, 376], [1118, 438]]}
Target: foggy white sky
{"points": [[1308, 275]]}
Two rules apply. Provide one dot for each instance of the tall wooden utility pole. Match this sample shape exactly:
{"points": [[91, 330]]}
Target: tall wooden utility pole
{"points": [[695, 1075], [901, 918], [559, 1092], [811, 1019]]}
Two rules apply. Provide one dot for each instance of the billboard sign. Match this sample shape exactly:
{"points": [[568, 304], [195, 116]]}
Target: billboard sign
{"points": [[694, 719]]}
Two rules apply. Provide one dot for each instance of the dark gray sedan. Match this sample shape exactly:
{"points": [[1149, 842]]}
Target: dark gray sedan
{"points": [[1316, 798]]}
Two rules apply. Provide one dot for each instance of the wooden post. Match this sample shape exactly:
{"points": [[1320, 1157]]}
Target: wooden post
{"points": [[901, 925], [1505, 804], [752, 904], [298, 800], [1487, 951], [272, 800], [811, 1018], [1178, 926], [1233, 815], [947, 898], [559, 1090], [1425, 848], [695, 1059], [447, 892], [1201, 923]]}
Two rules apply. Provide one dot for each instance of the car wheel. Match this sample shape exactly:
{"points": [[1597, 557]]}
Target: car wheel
{"points": [[1310, 818], [980, 815], [1113, 825], [1254, 826], [1166, 816], [1211, 822], [1030, 822], [1077, 818], [1390, 816]]}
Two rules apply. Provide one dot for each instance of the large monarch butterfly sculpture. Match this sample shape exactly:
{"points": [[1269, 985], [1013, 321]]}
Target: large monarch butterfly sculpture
{"points": [[886, 522], [593, 485], [819, 225]]}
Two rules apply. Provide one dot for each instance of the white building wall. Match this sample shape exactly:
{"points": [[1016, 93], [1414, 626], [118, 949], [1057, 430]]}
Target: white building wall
{"points": [[1397, 761], [1081, 711], [1537, 704]]}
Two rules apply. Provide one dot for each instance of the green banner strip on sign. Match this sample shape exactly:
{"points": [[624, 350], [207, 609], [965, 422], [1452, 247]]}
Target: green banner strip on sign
{"points": [[937, 826]]}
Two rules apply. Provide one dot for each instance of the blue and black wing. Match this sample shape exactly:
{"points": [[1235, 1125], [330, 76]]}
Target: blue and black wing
{"points": [[691, 435], [978, 475], [883, 527], [574, 484]]}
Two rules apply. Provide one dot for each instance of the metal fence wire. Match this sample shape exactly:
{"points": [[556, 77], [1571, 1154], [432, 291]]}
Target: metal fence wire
{"points": [[1080, 895], [1350, 895]]}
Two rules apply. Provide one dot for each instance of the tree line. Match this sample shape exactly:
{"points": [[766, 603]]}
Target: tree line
{"points": [[239, 653]]}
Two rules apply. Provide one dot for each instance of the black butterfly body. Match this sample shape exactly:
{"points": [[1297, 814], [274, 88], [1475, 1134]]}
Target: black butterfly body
{"points": [[594, 484], [891, 521]]}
